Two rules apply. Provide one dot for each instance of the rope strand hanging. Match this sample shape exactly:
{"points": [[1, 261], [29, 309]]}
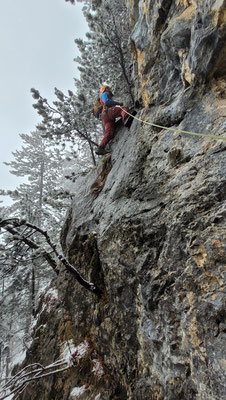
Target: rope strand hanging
{"points": [[177, 130]]}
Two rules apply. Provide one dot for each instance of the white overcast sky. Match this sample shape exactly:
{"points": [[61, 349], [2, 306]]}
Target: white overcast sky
{"points": [[36, 50]]}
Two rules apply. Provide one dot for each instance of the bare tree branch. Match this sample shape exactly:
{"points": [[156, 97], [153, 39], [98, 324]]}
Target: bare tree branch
{"points": [[10, 225], [30, 243], [17, 384]]}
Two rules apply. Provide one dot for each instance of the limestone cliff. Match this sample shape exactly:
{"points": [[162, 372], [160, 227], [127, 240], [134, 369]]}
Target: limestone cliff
{"points": [[151, 232]]}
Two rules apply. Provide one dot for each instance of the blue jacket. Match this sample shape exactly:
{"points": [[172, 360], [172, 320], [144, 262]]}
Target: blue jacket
{"points": [[107, 100]]}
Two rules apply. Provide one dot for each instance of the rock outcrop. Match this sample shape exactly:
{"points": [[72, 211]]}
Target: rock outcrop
{"points": [[152, 236]]}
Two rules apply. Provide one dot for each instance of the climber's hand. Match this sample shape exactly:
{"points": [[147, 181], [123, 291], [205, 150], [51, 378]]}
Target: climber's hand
{"points": [[120, 103]]}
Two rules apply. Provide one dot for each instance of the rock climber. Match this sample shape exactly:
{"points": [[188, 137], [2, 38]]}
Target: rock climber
{"points": [[109, 113]]}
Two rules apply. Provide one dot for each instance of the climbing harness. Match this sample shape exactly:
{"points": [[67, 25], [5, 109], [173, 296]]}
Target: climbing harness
{"points": [[176, 130]]}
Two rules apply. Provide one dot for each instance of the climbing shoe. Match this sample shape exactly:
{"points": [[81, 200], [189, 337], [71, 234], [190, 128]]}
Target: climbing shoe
{"points": [[100, 151]]}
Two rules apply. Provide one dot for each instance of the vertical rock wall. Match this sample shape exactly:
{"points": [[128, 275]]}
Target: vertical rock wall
{"points": [[176, 42]]}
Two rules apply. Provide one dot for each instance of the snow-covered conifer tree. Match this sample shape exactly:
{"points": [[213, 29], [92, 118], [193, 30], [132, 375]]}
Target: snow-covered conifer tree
{"points": [[40, 201]]}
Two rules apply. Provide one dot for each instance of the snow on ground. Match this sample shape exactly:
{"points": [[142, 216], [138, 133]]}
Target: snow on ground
{"points": [[77, 392]]}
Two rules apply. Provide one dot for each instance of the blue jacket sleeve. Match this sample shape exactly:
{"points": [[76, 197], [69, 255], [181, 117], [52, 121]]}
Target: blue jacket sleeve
{"points": [[108, 101]]}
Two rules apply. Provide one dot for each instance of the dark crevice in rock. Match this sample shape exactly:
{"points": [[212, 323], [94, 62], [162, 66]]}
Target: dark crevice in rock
{"points": [[156, 290], [99, 183], [163, 12], [84, 255]]}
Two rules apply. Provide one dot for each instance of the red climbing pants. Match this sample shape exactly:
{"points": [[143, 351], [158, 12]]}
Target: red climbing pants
{"points": [[108, 119]]}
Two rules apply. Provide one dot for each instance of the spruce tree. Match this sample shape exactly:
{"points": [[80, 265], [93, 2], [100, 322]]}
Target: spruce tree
{"points": [[42, 199]]}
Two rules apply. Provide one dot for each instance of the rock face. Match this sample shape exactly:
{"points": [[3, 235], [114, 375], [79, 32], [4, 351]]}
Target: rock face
{"points": [[176, 43], [153, 236]]}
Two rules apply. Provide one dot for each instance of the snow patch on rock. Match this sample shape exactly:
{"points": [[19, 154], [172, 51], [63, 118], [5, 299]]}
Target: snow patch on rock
{"points": [[77, 392], [71, 353], [98, 368], [50, 300]]}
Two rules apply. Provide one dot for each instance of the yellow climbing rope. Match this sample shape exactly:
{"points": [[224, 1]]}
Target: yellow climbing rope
{"points": [[175, 130]]}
